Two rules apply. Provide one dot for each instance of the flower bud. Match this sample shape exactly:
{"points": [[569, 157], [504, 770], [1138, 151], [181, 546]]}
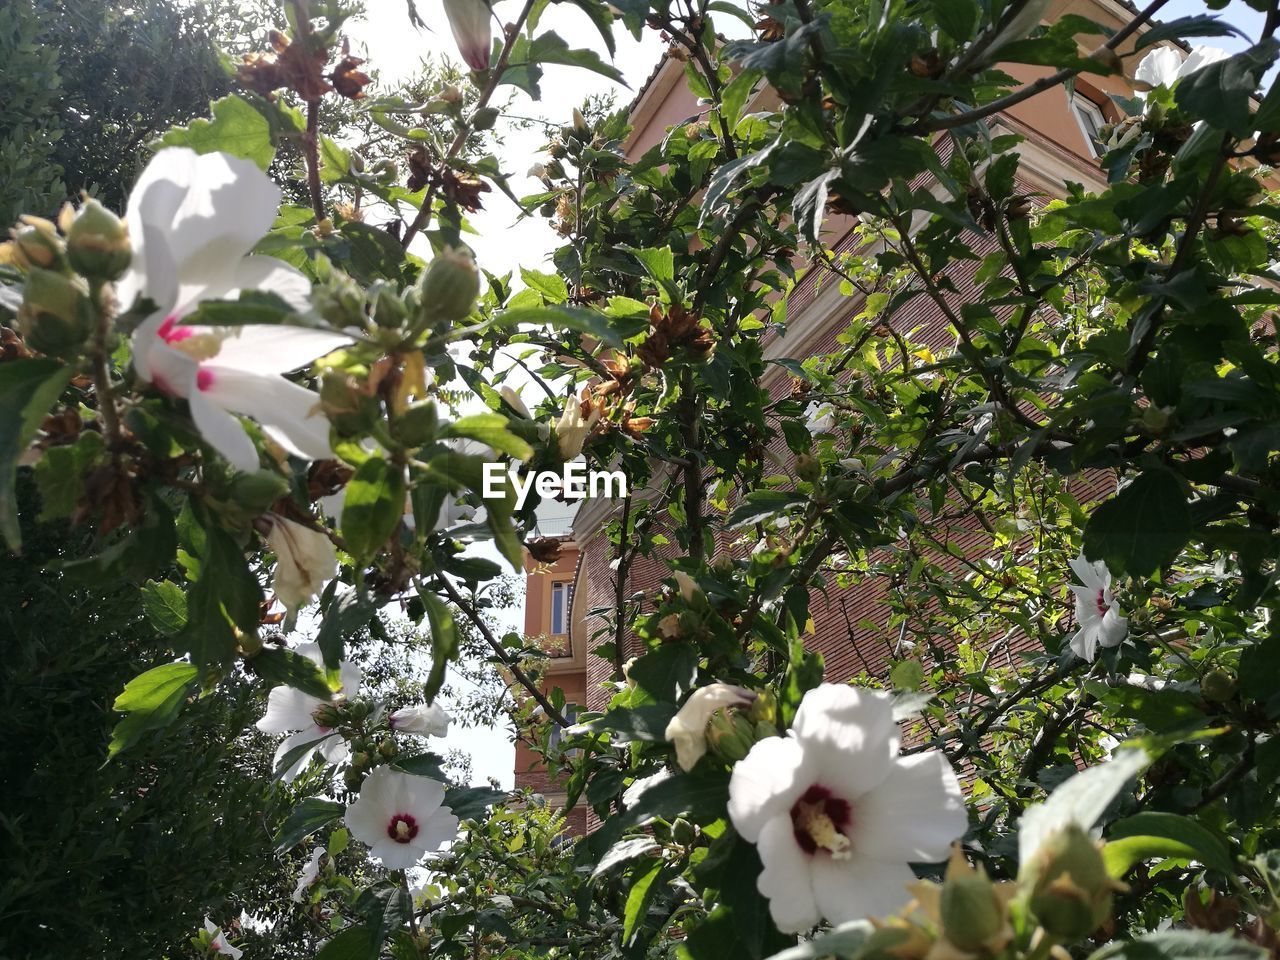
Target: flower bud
{"points": [[360, 760], [327, 715], [514, 401], [1072, 891], [730, 735], [579, 121], [683, 832], [688, 586], [388, 749], [688, 728], [258, 490], [389, 311], [37, 245], [974, 914], [573, 428], [808, 468], [417, 425], [56, 315], [98, 242], [469, 21], [1218, 685], [450, 285]]}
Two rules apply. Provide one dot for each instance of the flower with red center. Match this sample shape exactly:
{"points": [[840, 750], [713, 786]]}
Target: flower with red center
{"points": [[218, 941], [401, 817], [194, 218], [837, 814], [1097, 613], [290, 709]]}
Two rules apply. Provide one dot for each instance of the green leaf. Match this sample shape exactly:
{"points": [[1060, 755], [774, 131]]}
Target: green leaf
{"points": [[444, 641], [352, 943], [701, 795], [1220, 94], [226, 594], [372, 507], [305, 819], [846, 940], [277, 665], [422, 765], [1153, 834], [550, 285], [639, 723], [236, 128], [165, 605], [577, 319], [550, 48], [1182, 945], [1142, 528], [28, 389], [1199, 25], [346, 614], [638, 899], [151, 701], [667, 673], [386, 909], [624, 851], [470, 803], [490, 429]]}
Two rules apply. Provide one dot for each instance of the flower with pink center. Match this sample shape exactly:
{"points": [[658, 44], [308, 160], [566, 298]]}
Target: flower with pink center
{"points": [[1097, 613], [218, 941], [837, 814], [194, 218], [290, 710], [400, 817]]}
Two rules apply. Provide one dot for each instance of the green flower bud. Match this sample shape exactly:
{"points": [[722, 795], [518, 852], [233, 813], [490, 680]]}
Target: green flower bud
{"points": [[765, 710], [37, 245], [389, 311], [388, 748], [1218, 685], [98, 243], [351, 779], [450, 285], [327, 715], [1156, 419], [258, 490], [683, 832], [417, 425], [360, 760], [808, 468], [56, 316], [1072, 891], [973, 914], [730, 735]]}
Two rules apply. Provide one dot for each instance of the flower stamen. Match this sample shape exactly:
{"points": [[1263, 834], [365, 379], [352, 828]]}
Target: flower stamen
{"points": [[819, 820], [402, 828]]}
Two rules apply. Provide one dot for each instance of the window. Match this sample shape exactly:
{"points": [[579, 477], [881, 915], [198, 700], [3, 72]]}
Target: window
{"points": [[561, 604], [557, 734], [1089, 115]]}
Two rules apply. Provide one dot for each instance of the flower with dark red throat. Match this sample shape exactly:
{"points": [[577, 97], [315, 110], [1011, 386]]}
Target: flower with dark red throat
{"points": [[400, 817], [837, 814], [303, 717], [1097, 613]]}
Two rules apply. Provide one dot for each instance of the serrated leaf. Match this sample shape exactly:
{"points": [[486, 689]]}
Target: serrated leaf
{"points": [[1142, 528], [490, 429], [1156, 834], [165, 605], [372, 508], [235, 128], [279, 666], [470, 803], [151, 700]]}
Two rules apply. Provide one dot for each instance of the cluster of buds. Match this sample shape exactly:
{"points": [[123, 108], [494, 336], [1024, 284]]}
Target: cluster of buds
{"points": [[727, 719], [60, 263], [673, 329], [967, 914]]}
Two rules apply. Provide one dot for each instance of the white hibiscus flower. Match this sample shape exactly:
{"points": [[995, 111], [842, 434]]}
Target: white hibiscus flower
{"points": [[400, 817], [292, 711], [305, 561], [688, 728], [837, 813], [428, 719], [218, 941], [193, 219], [1164, 66], [310, 870], [1097, 613]]}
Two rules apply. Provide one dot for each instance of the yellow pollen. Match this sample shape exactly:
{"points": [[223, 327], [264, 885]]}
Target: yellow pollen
{"points": [[402, 829], [203, 346], [812, 819]]}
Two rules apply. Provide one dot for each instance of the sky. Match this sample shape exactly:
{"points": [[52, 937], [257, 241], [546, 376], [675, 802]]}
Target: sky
{"points": [[395, 48]]}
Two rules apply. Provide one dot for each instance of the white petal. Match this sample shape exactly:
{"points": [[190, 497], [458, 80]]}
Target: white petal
{"points": [[1114, 628], [223, 432], [850, 734], [288, 413], [151, 272], [1084, 642], [312, 735], [786, 880], [398, 856], [1093, 575], [288, 709], [275, 348], [858, 888], [440, 829], [914, 815], [1159, 67], [369, 815], [766, 783], [1200, 58]]}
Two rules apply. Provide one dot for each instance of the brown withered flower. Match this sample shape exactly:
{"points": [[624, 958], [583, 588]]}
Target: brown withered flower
{"points": [[671, 329], [109, 490], [346, 78], [326, 477], [926, 65], [419, 169], [463, 189], [289, 64], [11, 345], [544, 549]]}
